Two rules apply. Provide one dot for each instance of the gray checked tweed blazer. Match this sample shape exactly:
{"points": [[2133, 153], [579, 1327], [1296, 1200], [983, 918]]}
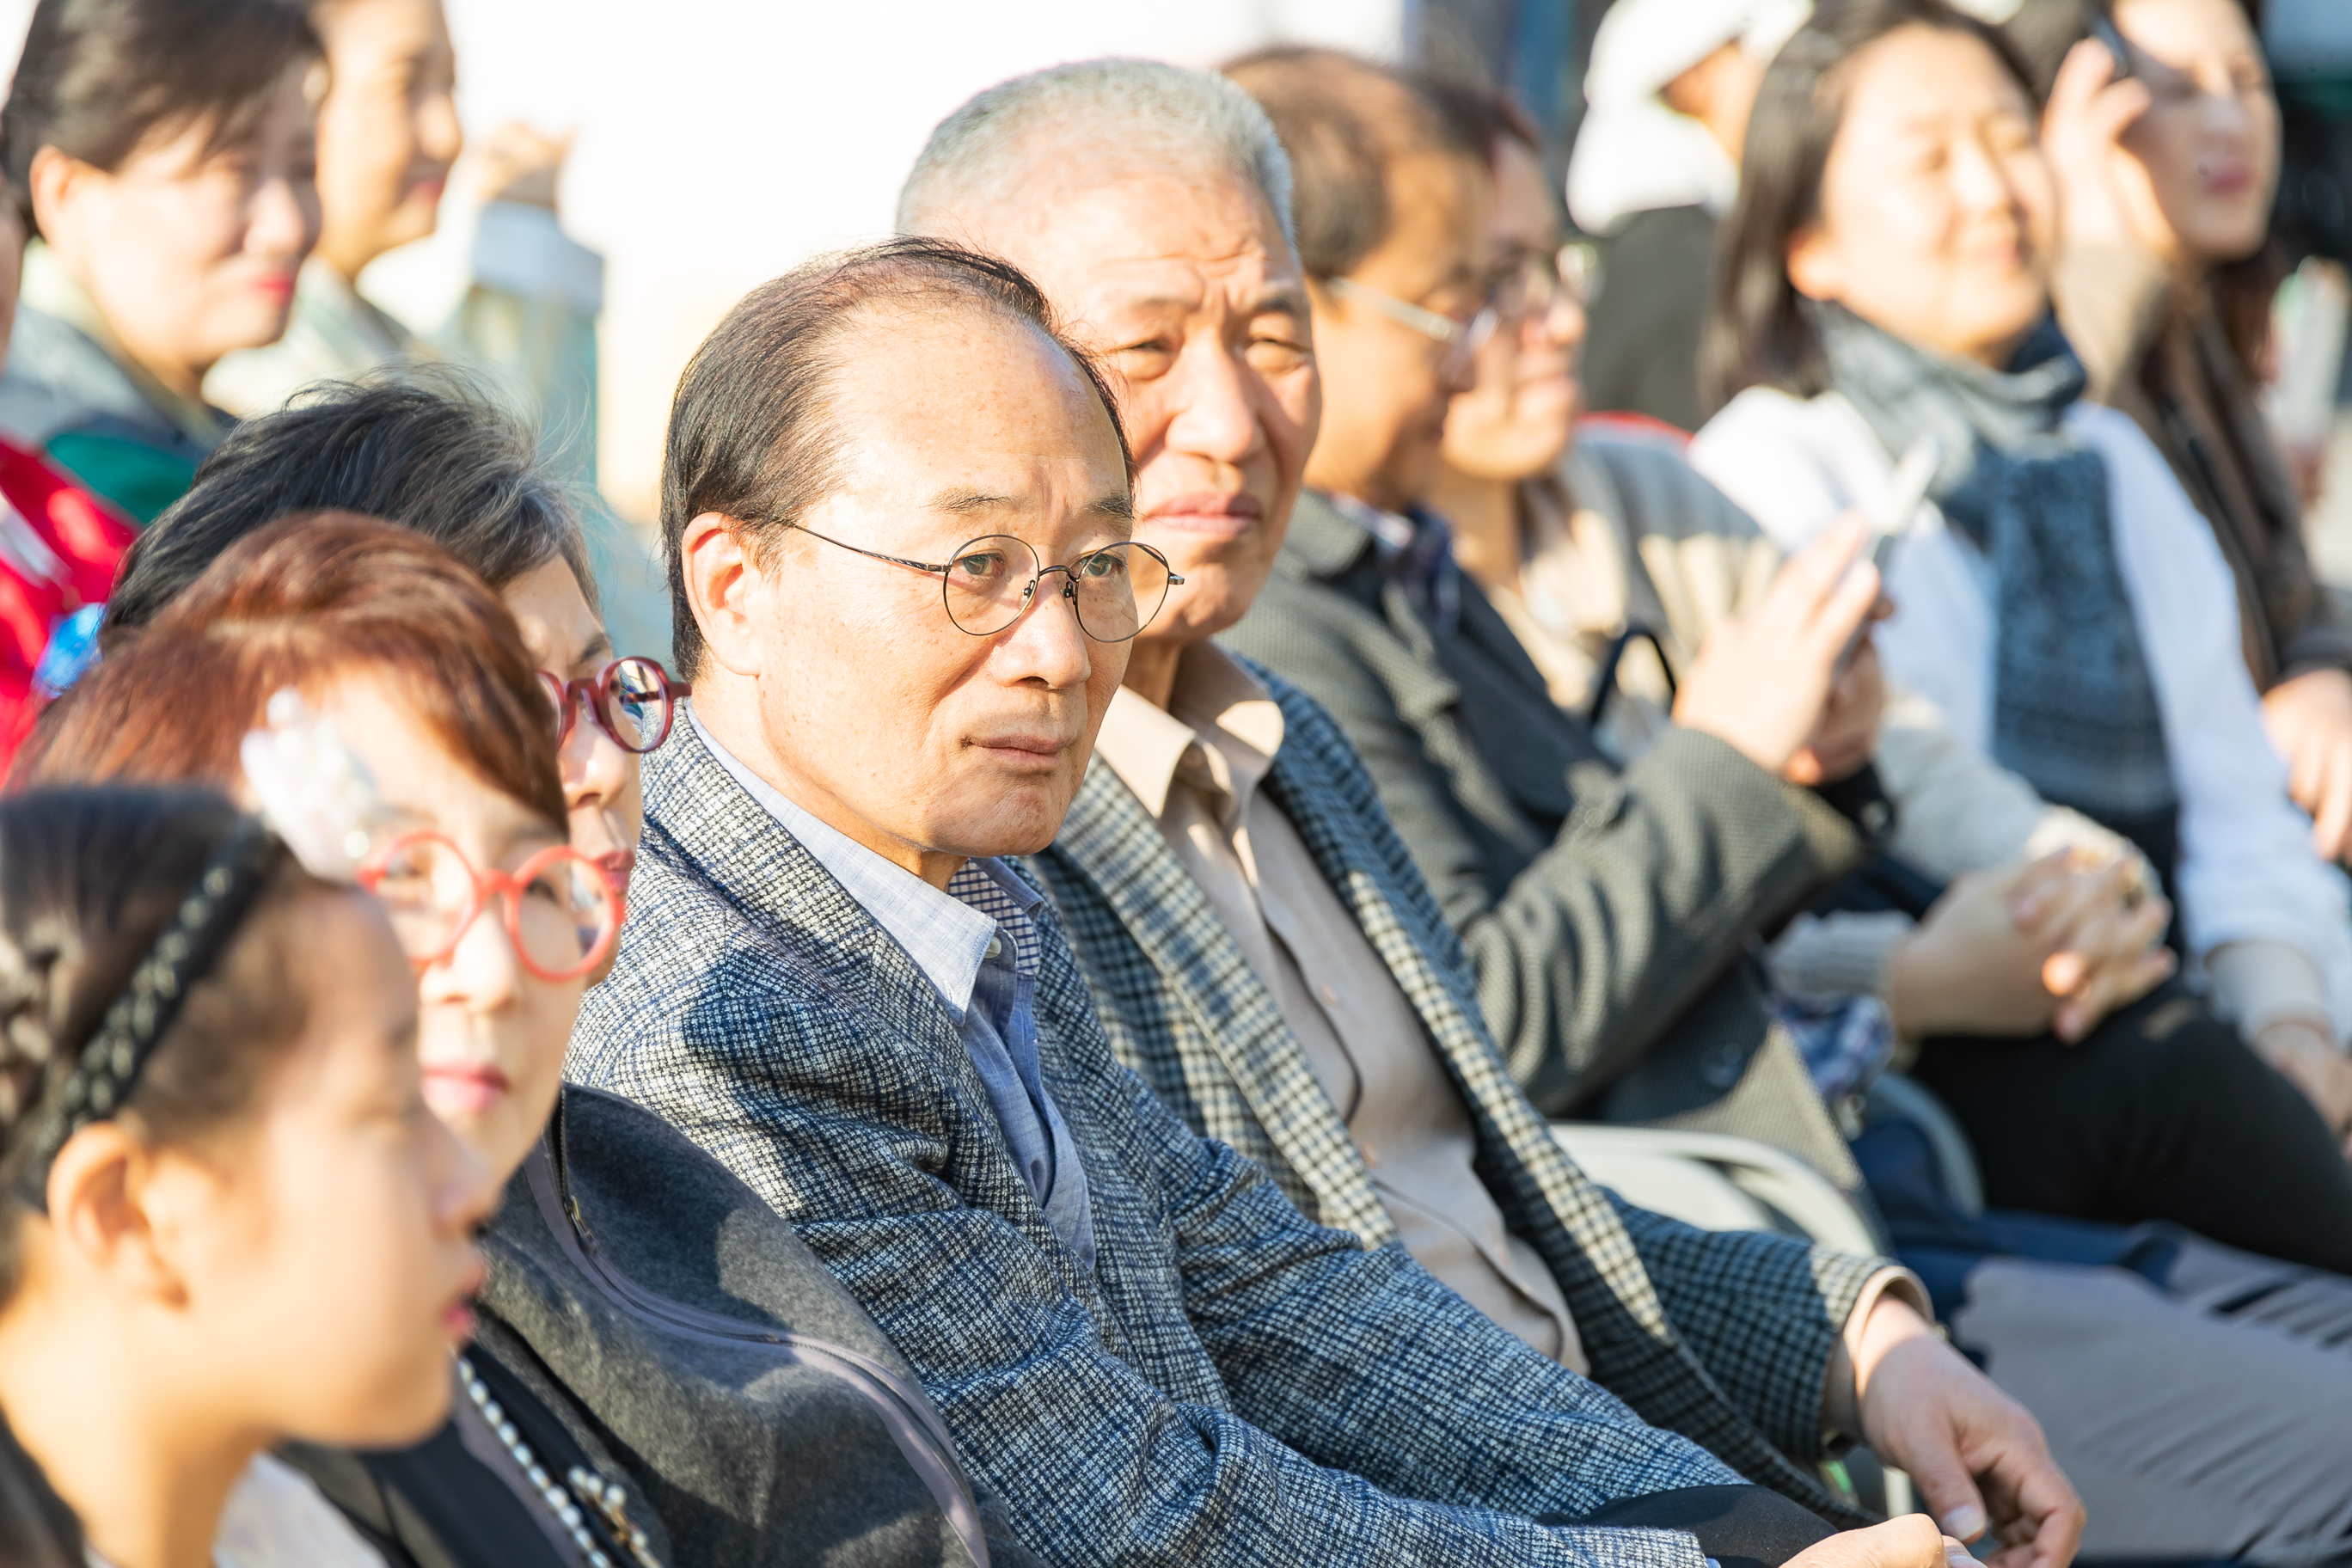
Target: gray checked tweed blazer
{"points": [[1725, 1338], [1232, 1384]]}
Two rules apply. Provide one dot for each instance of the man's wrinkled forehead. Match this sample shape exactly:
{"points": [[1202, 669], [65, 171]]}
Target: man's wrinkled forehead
{"points": [[1150, 238], [971, 414]]}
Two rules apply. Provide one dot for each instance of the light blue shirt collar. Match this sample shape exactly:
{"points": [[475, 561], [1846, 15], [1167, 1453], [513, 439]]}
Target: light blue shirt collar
{"points": [[948, 938]]}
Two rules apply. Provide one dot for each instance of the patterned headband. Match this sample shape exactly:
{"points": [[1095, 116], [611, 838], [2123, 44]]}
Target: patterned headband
{"points": [[107, 1069]]}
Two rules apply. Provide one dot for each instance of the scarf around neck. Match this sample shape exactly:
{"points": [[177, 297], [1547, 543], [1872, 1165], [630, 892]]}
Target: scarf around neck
{"points": [[2074, 707]]}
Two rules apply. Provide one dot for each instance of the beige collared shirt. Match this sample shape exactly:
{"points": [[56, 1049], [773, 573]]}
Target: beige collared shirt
{"points": [[1197, 770]]}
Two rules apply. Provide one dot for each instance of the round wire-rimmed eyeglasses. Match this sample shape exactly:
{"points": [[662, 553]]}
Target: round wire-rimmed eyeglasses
{"points": [[561, 912], [1115, 591], [632, 699]]}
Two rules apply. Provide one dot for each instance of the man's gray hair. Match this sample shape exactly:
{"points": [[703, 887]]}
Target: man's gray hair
{"points": [[1089, 120]]}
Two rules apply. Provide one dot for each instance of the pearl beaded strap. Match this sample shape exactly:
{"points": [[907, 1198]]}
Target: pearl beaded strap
{"points": [[607, 1497]]}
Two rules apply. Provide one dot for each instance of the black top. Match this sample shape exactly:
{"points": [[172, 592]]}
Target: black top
{"points": [[452, 1502], [1641, 349], [649, 1319], [769, 1420]]}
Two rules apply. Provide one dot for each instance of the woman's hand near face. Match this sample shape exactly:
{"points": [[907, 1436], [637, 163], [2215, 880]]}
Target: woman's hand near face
{"points": [[2105, 200], [519, 162]]}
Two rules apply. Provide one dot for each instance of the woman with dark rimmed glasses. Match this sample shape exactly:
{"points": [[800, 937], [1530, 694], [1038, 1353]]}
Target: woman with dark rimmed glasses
{"points": [[764, 1421], [435, 455]]}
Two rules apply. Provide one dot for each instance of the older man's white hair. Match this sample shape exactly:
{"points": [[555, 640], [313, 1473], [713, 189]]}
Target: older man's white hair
{"points": [[1073, 127]]}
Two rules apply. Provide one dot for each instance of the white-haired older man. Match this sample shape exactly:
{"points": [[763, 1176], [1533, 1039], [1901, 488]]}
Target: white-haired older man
{"points": [[1262, 950]]}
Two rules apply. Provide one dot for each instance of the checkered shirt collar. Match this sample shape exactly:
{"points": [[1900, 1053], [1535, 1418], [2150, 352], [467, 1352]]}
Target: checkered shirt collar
{"points": [[948, 934]]}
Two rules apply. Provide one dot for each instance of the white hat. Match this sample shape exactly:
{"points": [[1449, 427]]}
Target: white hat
{"points": [[1634, 153]]}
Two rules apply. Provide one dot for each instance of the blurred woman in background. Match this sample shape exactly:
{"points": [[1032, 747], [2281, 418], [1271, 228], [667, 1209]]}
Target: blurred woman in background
{"points": [[1612, 561], [2166, 166], [2061, 604], [523, 295], [388, 138], [163, 153], [230, 1219]]}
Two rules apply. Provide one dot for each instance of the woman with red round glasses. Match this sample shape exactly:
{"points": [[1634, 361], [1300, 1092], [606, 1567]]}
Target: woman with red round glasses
{"points": [[763, 1420]]}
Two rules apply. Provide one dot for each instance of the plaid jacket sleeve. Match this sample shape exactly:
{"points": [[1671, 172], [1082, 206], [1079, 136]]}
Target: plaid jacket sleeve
{"points": [[1336, 1383]]}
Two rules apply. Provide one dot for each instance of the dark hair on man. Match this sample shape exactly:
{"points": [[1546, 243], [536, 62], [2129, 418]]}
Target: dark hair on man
{"points": [[88, 880], [98, 78], [430, 452], [1345, 122], [1485, 117], [751, 434], [1758, 332]]}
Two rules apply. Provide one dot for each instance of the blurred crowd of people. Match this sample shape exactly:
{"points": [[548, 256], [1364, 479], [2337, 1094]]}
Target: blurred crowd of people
{"points": [[1248, 697]]}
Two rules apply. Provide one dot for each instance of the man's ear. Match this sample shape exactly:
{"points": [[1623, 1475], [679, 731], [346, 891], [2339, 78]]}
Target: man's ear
{"points": [[1813, 269], [727, 589], [54, 182], [111, 1217]]}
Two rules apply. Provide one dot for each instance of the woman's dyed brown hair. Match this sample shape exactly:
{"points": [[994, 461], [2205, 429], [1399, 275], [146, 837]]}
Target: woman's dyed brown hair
{"points": [[297, 604]]}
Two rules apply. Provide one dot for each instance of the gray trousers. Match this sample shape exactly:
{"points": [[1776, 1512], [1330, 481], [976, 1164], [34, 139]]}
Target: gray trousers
{"points": [[2209, 1417]]}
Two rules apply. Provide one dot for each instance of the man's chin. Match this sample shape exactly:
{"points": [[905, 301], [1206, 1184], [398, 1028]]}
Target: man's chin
{"points": [[1022, 821]]}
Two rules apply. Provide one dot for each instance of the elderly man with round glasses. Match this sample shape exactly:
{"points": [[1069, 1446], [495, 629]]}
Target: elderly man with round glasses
{"points": [[905, 619]]}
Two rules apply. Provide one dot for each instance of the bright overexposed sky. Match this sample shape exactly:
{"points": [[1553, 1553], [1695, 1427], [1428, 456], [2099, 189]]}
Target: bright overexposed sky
{"points": [[719, 141], [722, 140]]}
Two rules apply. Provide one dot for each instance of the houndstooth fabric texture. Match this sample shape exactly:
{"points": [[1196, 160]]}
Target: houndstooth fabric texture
{"points": [[1725, 1338], [1232, 1383]]}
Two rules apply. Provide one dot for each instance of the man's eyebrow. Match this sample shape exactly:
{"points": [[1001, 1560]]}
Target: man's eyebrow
{"points": [[1291, 299], [1159, 302], [959, 503]]}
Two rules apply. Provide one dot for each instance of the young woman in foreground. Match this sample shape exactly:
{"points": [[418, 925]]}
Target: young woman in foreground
{"points": [[230, 1219]]}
